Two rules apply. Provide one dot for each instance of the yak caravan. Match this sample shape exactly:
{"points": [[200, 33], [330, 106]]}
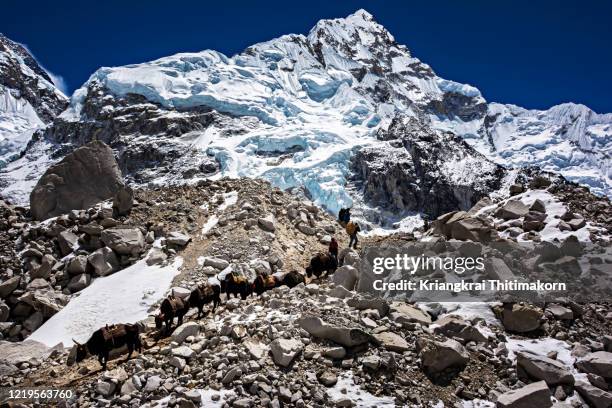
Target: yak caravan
{"points": [[316, 220]]}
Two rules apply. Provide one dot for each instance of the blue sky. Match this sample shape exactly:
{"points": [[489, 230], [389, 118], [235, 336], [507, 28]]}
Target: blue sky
{"points": [[530, 53]]}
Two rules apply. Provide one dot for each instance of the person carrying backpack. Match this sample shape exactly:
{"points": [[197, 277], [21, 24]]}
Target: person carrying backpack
{"points": [[352, 228]]}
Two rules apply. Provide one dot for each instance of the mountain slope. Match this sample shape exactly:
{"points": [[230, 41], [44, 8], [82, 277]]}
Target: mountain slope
{"points": [[295, 110], [28, 98]]}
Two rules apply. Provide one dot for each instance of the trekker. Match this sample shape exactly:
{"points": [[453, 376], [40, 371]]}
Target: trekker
{"points": [[333, 248], [352, 228]]}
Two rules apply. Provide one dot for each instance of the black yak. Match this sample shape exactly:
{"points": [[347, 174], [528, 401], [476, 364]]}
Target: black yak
{"points": [[264, 282], [292, 279], [321, 263], [171, 307], [103, 340], [204, 294], [236, 285]]}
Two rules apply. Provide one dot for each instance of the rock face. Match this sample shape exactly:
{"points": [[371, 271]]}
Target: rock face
{"points": [[530, 396], [417, 171], [83, 178]]}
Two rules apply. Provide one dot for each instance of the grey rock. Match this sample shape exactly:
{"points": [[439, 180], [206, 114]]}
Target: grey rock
{"points": [[347, 337], [185, 330], [533, 395], [285, 350], [8, 286], [543, 368], [81, 179], [437, 356], [597, 398], [124, 240], [104, 261], [599, 363]]}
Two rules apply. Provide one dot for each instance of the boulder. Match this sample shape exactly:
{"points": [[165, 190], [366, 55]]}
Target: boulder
{"points": [[327, 378], [124, 240], [437, 356], [79, 282], [77, 265], [520, 318], [216, 263], [454, 326], [285, 350], [156, 256], [543, 368], [185, 330], [84, 177], [560, 312], [178, 239], [595, 397], [512, 210], [123, 200], [8, 286], [103, 261], [346, 276], [599, 363], [17, 353], [533, 395], [347, 337], [406, 314], [365, 302], [44, 270], [267, 223], [392, 342], [68, 242], [5, 310], [256, 349], [538, 205]]}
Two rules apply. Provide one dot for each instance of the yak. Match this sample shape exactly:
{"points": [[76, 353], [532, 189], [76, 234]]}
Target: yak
{"points": [[292, 279], [171, 307], [236, 285], [103, 340], [321, 263], [265, 282], [204, 294]]}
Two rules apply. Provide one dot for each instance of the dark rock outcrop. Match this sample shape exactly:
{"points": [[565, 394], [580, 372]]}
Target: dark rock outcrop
{"points": [[421, 169]]}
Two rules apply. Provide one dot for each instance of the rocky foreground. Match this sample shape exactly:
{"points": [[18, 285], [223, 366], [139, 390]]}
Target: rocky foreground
{"points": [[318, 344]]}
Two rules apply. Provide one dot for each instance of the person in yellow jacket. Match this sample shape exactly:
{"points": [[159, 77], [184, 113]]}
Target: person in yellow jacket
{"points": [[352, 228]]}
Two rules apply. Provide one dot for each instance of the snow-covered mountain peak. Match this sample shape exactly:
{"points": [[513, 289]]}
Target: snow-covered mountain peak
{"points": [[296, 109], [28, 98]]}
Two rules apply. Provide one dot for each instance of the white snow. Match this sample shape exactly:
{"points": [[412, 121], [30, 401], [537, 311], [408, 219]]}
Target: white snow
{"points": [[346, 388], [124, 297]]}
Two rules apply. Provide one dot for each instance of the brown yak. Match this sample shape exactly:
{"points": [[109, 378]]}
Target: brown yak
{"points": [[204, 294], [234, 284], [321, 263], [171, 307], [292, 279], [265, 282], [103, 340]]}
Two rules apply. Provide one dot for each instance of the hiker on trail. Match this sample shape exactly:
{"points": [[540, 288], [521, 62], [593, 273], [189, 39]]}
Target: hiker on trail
{"points": [[352, 228], [333, 248], [344, 216]]}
